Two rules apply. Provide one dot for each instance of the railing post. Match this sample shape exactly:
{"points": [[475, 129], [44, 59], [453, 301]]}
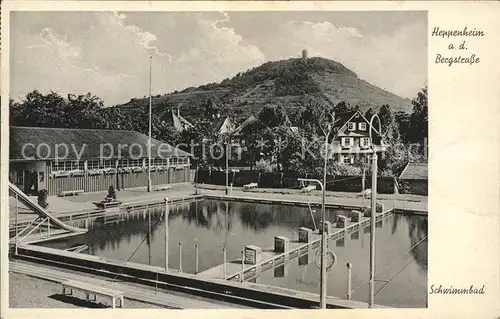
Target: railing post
{"points": [[48, 227], [17, 225], [166, 233], [224, 252], [196, 259], [242, 276], [180, 256], [349, 274]]}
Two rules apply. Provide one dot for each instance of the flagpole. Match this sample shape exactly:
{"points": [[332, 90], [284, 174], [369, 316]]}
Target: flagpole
{"points": [[149, 141]]}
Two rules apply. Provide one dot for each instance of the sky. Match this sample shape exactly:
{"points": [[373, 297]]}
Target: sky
{"points": [[107, 53]]}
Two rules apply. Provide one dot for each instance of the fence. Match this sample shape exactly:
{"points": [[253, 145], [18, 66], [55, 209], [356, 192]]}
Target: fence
{"points": [[290, 180]]}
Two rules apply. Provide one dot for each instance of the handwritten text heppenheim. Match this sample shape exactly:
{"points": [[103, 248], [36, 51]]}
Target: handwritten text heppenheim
{"points": [[465, 32]]}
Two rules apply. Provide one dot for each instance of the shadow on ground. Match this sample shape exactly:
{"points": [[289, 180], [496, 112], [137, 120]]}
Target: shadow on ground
{"points": [[78, 302]]}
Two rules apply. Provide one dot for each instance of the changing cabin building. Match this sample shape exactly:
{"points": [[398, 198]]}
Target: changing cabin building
{"points": [[59, 160]]}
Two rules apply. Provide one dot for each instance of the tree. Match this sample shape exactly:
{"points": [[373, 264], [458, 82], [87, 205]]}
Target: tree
{"points": [[40, 110], [403, 120], [83, 111], [211, 109], [342, 107], [273, 116], [419, 118], [395, 156], [369, 113], [264, 166], [258, 140]]}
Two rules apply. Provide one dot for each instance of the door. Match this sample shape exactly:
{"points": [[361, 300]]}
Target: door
{"points": [[34, 183], [41, 181], [30, 182], [27, 182]]}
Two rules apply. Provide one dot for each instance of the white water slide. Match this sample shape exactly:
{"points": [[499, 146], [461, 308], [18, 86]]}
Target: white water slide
{"points": [[43, 215]]}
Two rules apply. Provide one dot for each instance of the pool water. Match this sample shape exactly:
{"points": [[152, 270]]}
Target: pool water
{"points": [[213, 225]]}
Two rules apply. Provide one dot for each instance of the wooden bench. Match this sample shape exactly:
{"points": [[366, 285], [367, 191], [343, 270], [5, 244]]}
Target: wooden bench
{"points": [[92, 291], [71, 192], [309, 188], [160, 188], [250, 186]]}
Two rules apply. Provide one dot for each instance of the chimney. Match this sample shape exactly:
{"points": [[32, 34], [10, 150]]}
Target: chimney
{"points": [[178, 111], [304, 54]]}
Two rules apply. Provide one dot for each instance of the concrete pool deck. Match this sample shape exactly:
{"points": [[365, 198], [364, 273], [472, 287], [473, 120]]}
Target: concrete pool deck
{"points": [[84, 202], [46, 291]]}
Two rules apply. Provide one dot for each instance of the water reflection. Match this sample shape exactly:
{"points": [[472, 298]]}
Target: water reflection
{"points": [[211, 215], [417, 231], [256, 220], [394, 260]]}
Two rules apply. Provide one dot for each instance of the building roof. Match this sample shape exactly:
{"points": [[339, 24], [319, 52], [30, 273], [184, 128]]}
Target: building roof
{"points": [[415, 171], [41, 143], [343, 118], [224, 125], [179, 122], [249, 120]]}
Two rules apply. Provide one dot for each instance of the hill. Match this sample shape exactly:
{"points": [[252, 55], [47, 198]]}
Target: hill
{"points": [[290, 83]]}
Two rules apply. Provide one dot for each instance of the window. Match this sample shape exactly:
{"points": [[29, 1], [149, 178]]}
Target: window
{"points": [[66, 165], [362, 126], [351, 126], [92, 165], [160, 162], [109, 164], [347, 141], [348, 159], [365, 141], [131, 163]]}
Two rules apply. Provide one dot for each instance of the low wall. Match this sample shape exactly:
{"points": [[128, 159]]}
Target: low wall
{"points": [[219, 289], [416, 187]]}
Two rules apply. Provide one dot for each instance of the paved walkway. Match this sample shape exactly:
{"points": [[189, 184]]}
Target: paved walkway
{"points": [[84, 202], [131, 292], [398, 201]]}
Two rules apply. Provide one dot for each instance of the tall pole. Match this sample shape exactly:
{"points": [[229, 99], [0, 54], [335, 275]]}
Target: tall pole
{"points": [[227, 166], [322, 304], [149, 141], [322, 296], [372, 231], [149, 235], [17, 225], [373, 211], [166, 234]]}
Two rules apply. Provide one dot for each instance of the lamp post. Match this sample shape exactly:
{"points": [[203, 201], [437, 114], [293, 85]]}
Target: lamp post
{"points": [[227, 165], [322, 302], [149, 140], [166, 233], [327, 129], [373, 212]]}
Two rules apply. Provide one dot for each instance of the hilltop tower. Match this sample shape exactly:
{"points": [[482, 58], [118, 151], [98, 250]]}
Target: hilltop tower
{"points": [[304, 54]]}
